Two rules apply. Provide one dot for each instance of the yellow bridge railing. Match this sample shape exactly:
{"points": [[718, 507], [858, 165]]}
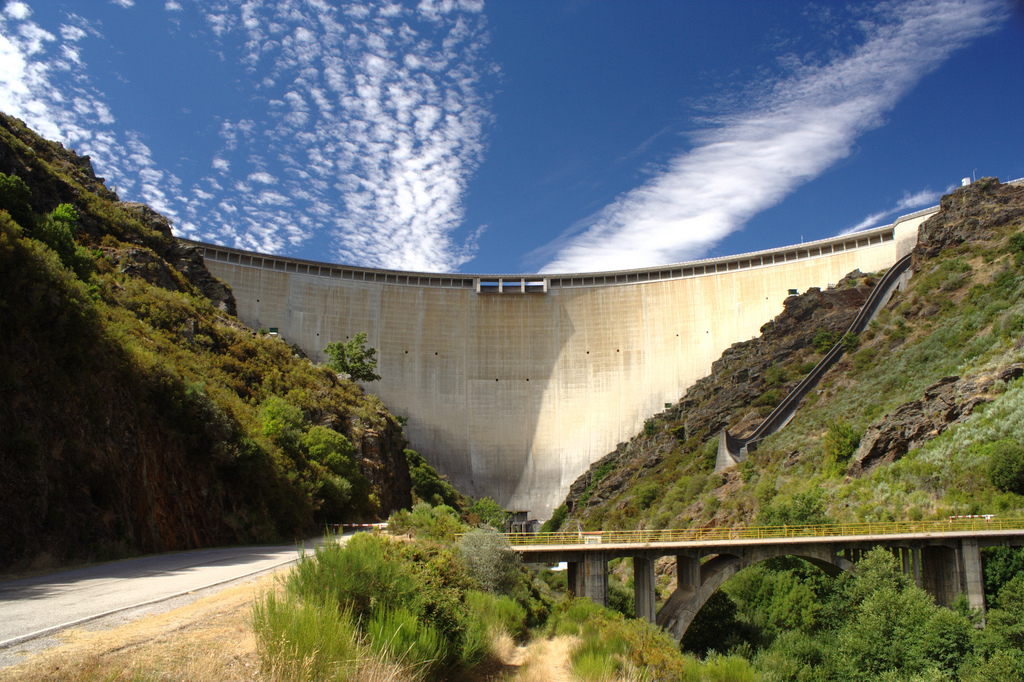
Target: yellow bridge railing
{"points": [[719, 534]]}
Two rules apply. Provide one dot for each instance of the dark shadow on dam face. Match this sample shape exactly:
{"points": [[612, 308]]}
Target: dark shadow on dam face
{"points": [[480, 411]]}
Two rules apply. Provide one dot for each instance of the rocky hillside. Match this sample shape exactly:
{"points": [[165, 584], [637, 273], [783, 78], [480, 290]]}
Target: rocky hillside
{"points": [[909, 424], [136, 413]]}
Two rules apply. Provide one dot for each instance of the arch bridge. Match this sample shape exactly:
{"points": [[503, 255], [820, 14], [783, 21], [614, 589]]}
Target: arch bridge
{"points": [[942, 557]]}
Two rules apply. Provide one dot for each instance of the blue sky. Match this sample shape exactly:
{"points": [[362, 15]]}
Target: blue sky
{"points": [[525, 135]]}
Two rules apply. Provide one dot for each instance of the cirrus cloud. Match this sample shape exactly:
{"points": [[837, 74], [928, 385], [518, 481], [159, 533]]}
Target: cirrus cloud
{"points": [[796, 129]]}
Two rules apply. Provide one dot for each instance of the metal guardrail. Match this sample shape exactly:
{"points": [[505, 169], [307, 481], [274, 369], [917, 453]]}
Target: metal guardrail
{"points": [[719, 534]]}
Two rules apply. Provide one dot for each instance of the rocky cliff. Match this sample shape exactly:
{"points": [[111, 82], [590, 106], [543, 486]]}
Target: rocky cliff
{"points": [[136, 413]]}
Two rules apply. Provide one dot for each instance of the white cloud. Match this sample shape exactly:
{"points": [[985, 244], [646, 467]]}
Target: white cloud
{"points": [[754, 158], [172, 6], [365, 145], [123, 3], [262, 178], [908, 203], [17, 10]]}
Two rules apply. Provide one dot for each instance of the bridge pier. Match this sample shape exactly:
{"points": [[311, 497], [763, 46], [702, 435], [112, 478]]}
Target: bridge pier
{"points": [[589, 578], [644, 582], [974, 582]]}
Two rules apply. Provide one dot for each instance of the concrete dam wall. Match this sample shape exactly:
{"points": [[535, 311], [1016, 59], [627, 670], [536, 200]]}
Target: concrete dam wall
{"points": [[514, 385]]}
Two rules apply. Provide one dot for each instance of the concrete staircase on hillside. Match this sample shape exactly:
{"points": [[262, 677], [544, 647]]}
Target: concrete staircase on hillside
{"points": [[733, 450]]}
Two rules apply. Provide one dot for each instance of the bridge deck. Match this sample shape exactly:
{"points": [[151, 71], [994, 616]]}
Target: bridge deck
{"points": [[985, 531]]}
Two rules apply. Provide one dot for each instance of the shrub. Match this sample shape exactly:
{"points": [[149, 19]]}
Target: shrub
{"points": [[556, 520], [397, 634], [439, 523], [775, 375], [298, 641], [769, 398], [840, 441], [15, 198], [498, 612], [353, 358], [645, 494], [490, 560], [824, 340], [428, 485], [1006, 466], [362, 575], [489, 512]]}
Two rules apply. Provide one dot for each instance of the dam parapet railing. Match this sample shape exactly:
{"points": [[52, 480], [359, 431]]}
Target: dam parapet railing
{"points": [[721, 534], [543, 283]]}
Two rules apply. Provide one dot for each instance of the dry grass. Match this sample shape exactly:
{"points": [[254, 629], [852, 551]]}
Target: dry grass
{"points": [[543, 660], [209, 639]]}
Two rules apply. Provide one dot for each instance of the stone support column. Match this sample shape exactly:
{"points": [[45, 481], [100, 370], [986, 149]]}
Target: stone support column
{"points": [[595, 578], [974, 583], [574, 577], [643, 588], [687, 572]]}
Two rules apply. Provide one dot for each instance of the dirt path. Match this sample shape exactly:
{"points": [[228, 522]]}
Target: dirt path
{"points": [[543, 660]]}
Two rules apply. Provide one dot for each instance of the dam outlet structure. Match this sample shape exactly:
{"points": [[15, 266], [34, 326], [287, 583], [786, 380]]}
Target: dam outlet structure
{"points": [[514, 384]]}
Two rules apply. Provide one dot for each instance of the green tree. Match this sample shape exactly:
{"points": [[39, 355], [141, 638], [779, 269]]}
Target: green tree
{"points": [[353, 358], [489, 512], [341, 483], [1006, 466], [801, 509], [557, 519], [15, 198], [490, 560], [824, 340], [428, 484], [58, 232], [283, 423]]}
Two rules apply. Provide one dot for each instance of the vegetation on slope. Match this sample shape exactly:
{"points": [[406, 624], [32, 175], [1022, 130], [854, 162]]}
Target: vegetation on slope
{"points": [[136, 413], [923, 418], [961, 320]]}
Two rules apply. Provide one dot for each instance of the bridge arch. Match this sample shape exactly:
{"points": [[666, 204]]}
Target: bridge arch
{"points": [[695, 587]]}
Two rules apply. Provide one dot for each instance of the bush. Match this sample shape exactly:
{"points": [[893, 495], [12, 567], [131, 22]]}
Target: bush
{"points": [[775, 375], [557, 519], [397, 634], [824, 340], [490, 560], [1006, 466], [353, 358], [428, 485], [298, 641], [645, 494], [15, 198], [362, 575], [438, 523], [497, 613], [489, 512], [840, 441]]}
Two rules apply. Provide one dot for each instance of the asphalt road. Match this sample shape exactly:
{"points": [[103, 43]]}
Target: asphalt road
{"points": [[38, 606]]}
